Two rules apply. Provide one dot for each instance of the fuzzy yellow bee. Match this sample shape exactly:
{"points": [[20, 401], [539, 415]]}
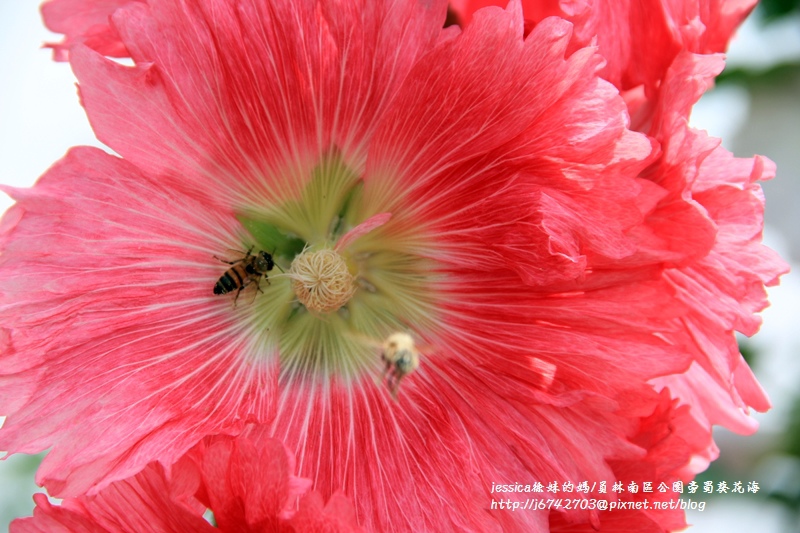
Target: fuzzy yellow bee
{"points": [[401, 358]]}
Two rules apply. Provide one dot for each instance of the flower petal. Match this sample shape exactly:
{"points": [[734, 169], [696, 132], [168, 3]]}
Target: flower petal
{"points": [[141, 503], [639, 39], [116, 320], [84, 21], [530, 158], [247, 480], [276, 91]]}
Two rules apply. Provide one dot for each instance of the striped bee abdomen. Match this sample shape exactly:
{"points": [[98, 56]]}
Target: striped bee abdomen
{"points": [[230, 281]]}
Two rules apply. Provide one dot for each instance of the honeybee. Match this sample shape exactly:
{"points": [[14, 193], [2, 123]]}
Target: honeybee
{"points": [[244, 272], [401, 357]]}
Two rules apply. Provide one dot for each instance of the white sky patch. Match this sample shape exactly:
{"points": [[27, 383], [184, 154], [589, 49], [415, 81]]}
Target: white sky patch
{"points": [[777, 343], [760, 47], [40, 116], [722, 112], [726, 514]]}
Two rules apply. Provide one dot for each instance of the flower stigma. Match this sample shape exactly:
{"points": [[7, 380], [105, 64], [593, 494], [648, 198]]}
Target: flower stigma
{"points": [[321, 280]]}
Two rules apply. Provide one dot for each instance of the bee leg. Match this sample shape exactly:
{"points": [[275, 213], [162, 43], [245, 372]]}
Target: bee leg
{"points": [[387, 376], [238, 292], [387, 369], [255, 293], [393, 384], [398, 374], [228, 262]]}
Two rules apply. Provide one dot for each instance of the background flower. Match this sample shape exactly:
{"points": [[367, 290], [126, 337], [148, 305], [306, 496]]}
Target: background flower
{"points": [[639, 40], [247, 483]]}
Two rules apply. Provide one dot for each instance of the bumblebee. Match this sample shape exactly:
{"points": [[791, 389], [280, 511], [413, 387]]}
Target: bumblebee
{"points": [[401, 358], [244, 272]]}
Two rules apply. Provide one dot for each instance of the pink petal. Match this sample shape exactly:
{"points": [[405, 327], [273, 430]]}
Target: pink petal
{"points": [[314, 516], [249, 480], [639, 39], [126, 262], [365, 227], [141, 503], [84, 21], [235, 94], [542, 183]]}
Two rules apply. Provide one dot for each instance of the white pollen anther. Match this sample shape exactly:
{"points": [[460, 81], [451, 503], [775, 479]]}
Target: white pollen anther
{"points": [[321, 280]]}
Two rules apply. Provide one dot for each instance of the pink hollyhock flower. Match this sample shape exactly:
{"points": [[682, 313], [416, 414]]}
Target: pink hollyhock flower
{"points": [[476, 190], [246, 482]]}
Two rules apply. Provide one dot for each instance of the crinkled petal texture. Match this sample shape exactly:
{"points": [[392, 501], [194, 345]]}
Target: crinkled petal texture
{"points": [[243, 96], [112, 315], [639, 39], [558, 281], [662, 54], [246, 482], [723, 286], [141, 503]]}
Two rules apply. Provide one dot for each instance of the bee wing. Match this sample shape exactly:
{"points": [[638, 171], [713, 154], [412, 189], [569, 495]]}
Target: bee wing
{"points": [[242, 255], [239, 253]]}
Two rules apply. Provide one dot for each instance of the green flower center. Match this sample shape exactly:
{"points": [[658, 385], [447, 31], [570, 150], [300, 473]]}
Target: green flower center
{"points": [[344, 285]]}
